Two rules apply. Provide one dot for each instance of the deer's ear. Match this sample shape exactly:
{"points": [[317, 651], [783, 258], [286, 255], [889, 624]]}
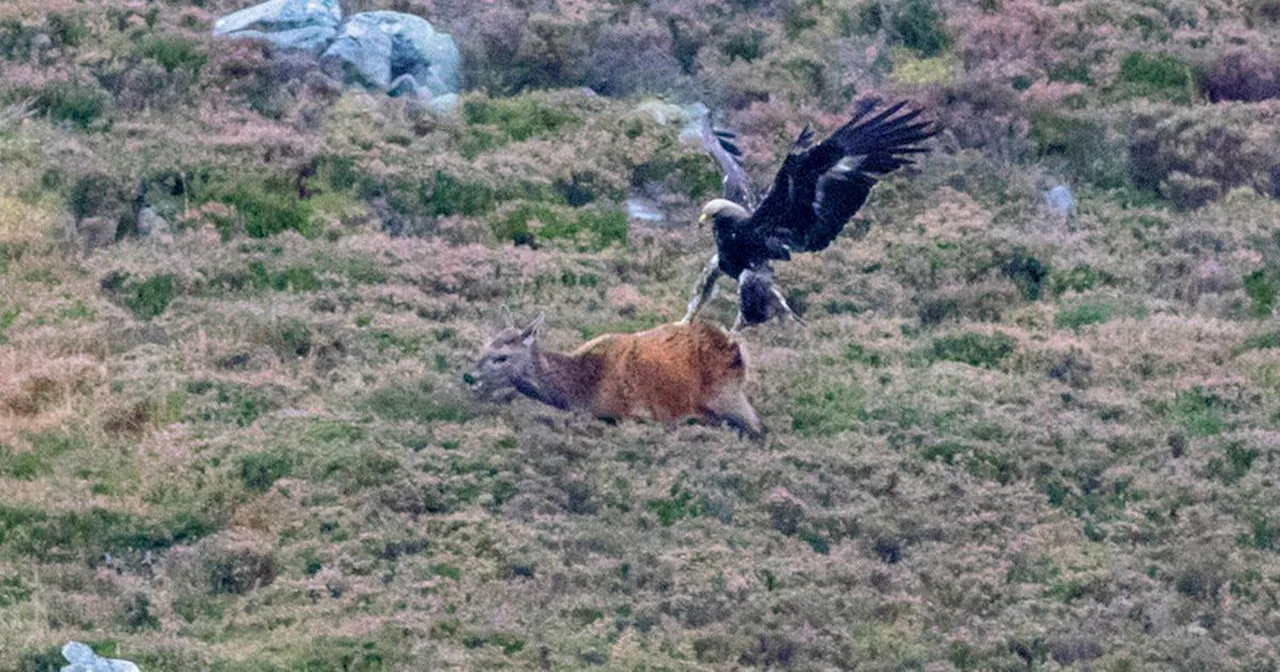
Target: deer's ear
{"points": [[531, 331], [504, 314]]}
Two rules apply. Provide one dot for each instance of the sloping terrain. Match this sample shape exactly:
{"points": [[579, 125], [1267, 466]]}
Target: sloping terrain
{"points": [[1008, 438]]}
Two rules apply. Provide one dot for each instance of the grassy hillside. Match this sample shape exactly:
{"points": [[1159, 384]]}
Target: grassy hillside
{"points": [[1008, 438]]}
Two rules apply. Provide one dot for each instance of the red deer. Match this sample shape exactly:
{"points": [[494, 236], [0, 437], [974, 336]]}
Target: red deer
{"points": [[668, 373]]}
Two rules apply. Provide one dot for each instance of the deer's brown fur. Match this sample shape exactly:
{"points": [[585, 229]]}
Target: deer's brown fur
{"points": [[667, 373]]}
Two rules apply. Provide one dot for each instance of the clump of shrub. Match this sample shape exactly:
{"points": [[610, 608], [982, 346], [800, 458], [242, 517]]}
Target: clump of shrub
{"points": [[1243, 75], [691, 174], [1233, 465], [747, 45], [1083, 143], [96, 194], [263, 210], [865, 19], [38, 461], [89, 533], [151, 297], [289, 337], [417, 402], [240, 404], [1261, 293], [15, 40], [973, 348], [66, 30], [259, 471], [174, 52], [829, 410], [1158, 76], [1262, 341], [1199, 411], [590, 229], [1078, 279], [298, 278], [1194, 155], [508, 49], [223, 564], [75, 103], [1028, 273], [1083, 314], [919, 24], [518, 118], [443, 195], [638, 55], [147, 298]]}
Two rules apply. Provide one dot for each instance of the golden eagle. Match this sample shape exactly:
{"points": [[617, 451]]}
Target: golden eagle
{"points": [[815, 193]]}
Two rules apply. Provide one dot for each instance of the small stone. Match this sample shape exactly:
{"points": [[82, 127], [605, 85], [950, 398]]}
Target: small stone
{"points": [[446, 104], [641, 209], [150, 223], [1060, 200]]}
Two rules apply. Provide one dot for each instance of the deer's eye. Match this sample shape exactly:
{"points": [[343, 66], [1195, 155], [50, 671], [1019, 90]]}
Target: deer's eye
{"points": [[499, 359]]}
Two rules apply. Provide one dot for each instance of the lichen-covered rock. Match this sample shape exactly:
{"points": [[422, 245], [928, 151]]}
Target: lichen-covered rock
{"points": [[378, 49], [688, 117], [391, 52], [311, 38], [83, 659], [365, 54], [282, 15]]}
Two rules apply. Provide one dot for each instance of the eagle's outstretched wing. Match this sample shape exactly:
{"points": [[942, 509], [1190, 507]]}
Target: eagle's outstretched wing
{"points": [[720, 144], [819, 187]]}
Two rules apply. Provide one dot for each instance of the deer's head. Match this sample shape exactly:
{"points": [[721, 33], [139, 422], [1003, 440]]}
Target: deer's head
{"points": [[506, 364]]}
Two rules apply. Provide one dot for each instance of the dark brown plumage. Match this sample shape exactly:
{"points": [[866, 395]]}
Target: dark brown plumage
{"points": [[814, 194]]}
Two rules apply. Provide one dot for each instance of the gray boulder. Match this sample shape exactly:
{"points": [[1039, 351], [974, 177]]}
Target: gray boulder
{"points": [[445, 104], [282, 15], [151, 225], [379, 48], [312, 38], [364, 52], [83, 659]]}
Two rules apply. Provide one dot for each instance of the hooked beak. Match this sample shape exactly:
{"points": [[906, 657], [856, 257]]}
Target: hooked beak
{"points": [[702, 219]]}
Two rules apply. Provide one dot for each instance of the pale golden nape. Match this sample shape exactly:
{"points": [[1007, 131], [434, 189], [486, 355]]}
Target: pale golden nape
{"points": [[665, 374]]}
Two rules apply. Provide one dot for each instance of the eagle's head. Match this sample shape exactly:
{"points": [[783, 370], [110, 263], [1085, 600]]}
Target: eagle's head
{"points": [[723, 212]]}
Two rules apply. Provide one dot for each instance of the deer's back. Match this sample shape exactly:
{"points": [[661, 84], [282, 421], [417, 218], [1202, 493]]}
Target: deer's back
{"points": [[669, 371]]}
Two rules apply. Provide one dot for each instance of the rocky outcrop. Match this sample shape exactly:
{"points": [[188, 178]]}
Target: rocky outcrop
{"points": [[391, 52], [398, 53], [83, 659]]}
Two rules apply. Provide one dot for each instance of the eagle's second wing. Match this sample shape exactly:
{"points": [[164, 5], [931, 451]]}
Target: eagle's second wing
{"points": [[719, 143]]}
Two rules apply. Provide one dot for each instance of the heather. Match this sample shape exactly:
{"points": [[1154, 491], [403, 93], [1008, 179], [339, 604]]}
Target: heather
{"points": [[1009, 437]]}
